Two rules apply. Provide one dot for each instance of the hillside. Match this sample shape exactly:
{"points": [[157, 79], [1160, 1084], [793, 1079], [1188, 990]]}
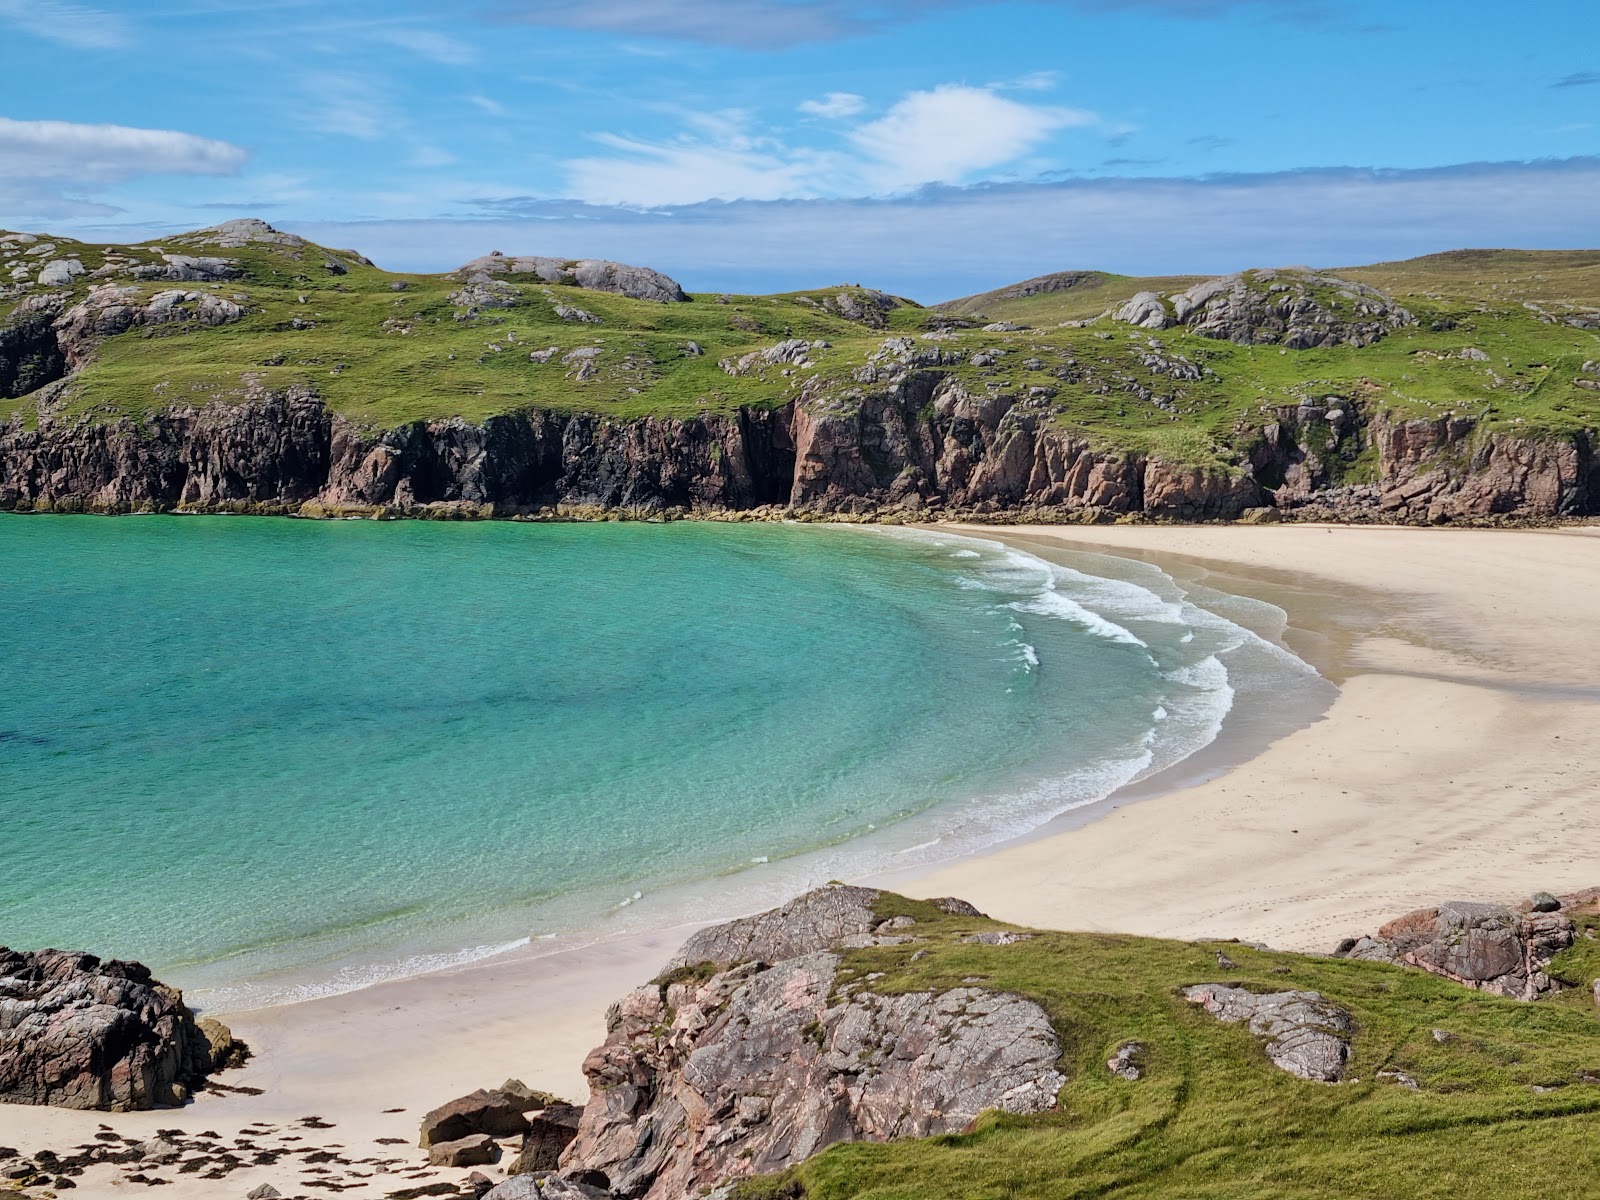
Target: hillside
{"points": [[839, 398]]}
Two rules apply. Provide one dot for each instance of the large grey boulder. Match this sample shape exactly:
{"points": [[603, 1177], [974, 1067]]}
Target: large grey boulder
{"points": [[76, 1032], [1145, 309], [761, 1066], [60, 272], [1304, 1033], [597, 275], [1488, 947]]}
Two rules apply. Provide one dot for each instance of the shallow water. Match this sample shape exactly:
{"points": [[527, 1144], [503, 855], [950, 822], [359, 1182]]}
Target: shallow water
{"points": [[271, 758]]}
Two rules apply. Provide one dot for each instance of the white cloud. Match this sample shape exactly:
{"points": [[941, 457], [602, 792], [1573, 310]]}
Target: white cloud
{"points": [[67, 24], [102, 154], [945, 135], [493, 107], [834, 105], [47, 167], [439, 47], [686, 173]]}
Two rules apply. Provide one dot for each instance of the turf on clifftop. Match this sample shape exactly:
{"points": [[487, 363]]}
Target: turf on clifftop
{"points": [[1506, 337], [1506, 1103]]}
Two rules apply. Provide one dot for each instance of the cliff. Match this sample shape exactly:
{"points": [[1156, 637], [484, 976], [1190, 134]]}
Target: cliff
{"points": [[256, 372], [920, 445]]}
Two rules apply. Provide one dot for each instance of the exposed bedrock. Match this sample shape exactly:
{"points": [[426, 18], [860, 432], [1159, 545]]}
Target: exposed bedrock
{"points": [[1491, 947], [76, 1032], [915, 442], [751, 1063]]}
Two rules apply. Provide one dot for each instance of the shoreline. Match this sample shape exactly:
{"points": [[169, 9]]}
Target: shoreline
{"points": [[1450, 764], [1327, 831]]}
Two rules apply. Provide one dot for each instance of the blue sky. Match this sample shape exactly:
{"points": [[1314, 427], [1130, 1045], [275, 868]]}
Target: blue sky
{"points": [[932, 147]]}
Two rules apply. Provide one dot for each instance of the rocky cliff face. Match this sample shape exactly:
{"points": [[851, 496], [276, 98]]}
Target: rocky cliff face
{"points": [[769, 1054], [915, 443]]}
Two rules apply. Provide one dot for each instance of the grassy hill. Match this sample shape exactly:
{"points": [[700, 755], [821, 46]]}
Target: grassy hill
{"points": [[1507, 1102], [386, 348]]}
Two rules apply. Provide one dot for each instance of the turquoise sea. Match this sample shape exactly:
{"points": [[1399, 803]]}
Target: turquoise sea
{"points": [[273, 758]]}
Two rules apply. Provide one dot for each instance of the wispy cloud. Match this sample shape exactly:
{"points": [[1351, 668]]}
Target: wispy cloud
{"points": [[491, 106], [430, 44], [834, 105], [945, 134], [349, 105], [72, 25], [1578, 79], [772, 24]]}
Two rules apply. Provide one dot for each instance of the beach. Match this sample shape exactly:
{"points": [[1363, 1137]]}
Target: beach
{"points": [[1454, 763]]}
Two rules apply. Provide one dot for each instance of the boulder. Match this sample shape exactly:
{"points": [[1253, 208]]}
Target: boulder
{"points": [[1304, 1033], [1146, 310], [1128, 1061], [76, 1032], [760, 1066], [480, 1112], [60, 272], [474, 1150], [1489, 947], [550, 1132]]}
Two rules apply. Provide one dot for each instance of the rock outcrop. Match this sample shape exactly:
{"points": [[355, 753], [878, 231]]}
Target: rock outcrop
{"points": [[1489, 947], [828, 918], [1294, 307], [76, 1032], [1303, 1033], [596, 275], [770, 1059]]}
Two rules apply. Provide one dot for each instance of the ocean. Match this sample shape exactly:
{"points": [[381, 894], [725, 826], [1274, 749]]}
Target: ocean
{"points": [[276, 758]]}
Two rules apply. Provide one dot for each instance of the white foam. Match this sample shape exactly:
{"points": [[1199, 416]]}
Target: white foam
{"points": [[1054, 604], [355, 978]]}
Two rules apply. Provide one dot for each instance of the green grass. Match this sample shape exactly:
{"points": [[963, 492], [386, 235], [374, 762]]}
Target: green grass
{"points": [[1213, 1119], [384, 357]]}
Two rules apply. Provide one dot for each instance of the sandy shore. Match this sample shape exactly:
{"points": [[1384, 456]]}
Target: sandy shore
{"points": [[1455, 762]]}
